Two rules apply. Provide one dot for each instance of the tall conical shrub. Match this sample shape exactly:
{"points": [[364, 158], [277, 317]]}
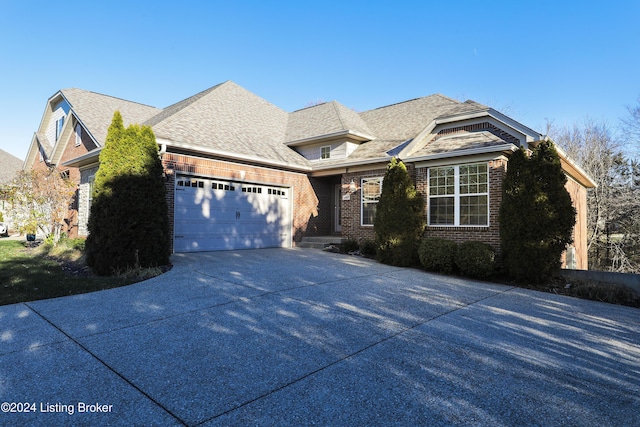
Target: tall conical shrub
{"points": [[128, 224], [536, 214], [400, 217]]}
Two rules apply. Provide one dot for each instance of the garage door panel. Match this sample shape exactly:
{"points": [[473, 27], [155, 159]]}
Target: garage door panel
{"points": [[218, 215]]}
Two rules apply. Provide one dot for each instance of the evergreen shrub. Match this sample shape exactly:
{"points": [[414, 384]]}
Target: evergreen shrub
{"points": [[128, 223], [437, 254], [368, 248], [475, 259], [400, 218], [536, 214]]}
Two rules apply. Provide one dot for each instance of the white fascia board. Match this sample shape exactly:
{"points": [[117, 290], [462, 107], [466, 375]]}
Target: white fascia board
{"points": [[230, 155], [343, 133], [571, 167], [343, 165], [489, 152], [84, 128], [528, 134], [91, 157], [417, 140]]}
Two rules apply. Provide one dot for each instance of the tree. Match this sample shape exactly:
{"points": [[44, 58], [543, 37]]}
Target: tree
{"points": [[536, 214], [613, 215], [40, 201], [128, 224], [399, 221]]}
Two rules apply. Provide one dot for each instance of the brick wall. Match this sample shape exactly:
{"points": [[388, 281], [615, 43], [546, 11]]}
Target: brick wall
{"points": [[579, 198], [351, 228], [305, 201]]}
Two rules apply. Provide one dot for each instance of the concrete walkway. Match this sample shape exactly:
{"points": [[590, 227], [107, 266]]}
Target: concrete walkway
{"points": [[302, 337]]}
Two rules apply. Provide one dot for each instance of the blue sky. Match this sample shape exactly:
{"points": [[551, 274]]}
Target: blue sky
{"points": [[535, 61]]}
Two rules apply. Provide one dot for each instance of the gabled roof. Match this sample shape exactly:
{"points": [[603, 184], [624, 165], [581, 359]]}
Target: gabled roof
{"points": [[9, 166], [228, 119], [405, 120], [457, 142], [95, 111], [325, 119]]}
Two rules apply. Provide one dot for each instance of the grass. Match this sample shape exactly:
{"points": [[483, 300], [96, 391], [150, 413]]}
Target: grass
{"points": [[29, 272]]}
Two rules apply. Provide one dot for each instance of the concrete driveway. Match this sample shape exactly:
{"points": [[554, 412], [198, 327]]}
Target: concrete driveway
{"points": [[302, 337]]}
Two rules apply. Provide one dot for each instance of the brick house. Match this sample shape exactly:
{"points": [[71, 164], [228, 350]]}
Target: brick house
{"points": [[242, 173]]}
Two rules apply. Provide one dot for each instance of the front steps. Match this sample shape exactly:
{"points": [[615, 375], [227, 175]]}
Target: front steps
{"points": [[319, 242]]}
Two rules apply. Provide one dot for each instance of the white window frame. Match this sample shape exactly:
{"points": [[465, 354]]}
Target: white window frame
{"points": [[325, 149], [457, 195], [59, 127], [92, 179], [78, 135], [363, 181]]}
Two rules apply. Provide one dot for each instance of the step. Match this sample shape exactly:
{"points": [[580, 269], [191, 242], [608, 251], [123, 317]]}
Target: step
{"points": [[319, 242]]}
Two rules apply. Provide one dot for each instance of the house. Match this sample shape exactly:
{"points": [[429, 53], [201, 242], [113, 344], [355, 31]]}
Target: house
{"points": [[10, 165], [243, 173]]}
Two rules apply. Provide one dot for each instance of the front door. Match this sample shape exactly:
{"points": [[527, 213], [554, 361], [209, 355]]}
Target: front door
{"points": [[337, 214]]}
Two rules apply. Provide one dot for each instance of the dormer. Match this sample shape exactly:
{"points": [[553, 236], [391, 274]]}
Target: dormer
{"points": [[326, 132]]}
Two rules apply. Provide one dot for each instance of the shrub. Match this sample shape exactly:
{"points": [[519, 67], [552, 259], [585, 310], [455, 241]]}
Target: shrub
{"points": [[128, 224], [349, 245], [475, 259], [399, 221], [437, 254], [536, 214], [368, 248]]}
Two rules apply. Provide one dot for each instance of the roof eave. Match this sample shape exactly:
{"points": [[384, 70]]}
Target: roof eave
{"points": [[232, 156], [89, 158], [358, 136], [463, 153], [570, 166]]}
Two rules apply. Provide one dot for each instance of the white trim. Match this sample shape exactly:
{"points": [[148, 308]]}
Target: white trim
{"points": [[231, 155], [456, 197], [461, 153], [78, 134], [328, 154], [343, 133], [381, 178]]}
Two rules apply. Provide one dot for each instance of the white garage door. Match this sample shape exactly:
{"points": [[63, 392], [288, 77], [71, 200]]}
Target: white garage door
{"points": [[212, 215]]}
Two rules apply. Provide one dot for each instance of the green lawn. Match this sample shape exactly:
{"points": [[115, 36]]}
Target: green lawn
{"points": [[29, 274]]}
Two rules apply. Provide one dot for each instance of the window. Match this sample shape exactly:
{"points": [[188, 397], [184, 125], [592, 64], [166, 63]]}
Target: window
{"points": [[371, 189], [59, 125], [459, 195], [325, 152], [78, 135], [91, 181]]}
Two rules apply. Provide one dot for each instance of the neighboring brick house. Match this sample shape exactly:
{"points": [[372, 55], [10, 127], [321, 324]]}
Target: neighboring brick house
{"points": [[242, 173]]}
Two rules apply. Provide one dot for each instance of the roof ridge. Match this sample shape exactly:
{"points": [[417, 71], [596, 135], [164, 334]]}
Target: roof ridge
{"points": [[178, 107], [414, 99], [335, 104]]}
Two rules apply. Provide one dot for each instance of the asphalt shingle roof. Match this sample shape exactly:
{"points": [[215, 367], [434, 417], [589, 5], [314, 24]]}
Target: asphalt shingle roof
{"points": [[324, 119], [9, 166], [461, 141], [96, 111], [229, 118]]}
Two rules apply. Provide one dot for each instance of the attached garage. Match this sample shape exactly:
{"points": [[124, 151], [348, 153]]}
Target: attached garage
{"points": [[212, 215]]}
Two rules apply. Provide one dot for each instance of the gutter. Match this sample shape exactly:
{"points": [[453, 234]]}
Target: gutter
{"points": [[461, 153], [233, 156], [355, 135]]}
